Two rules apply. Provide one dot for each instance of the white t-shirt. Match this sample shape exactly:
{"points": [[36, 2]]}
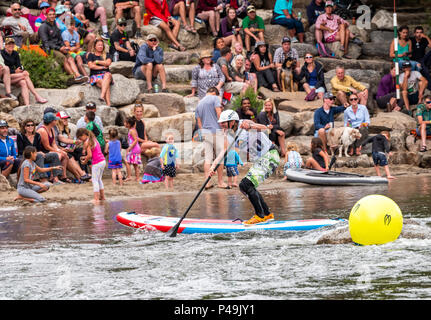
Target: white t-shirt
{"points": [[412, 81]]}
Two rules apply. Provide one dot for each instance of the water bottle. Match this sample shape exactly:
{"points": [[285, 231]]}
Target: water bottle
{"points": [[156, 88], [299, 15], [233, 30], [187, 3], [116, 56]]}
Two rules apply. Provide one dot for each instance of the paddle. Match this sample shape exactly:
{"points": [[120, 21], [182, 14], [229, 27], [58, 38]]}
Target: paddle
{"points": [[173, 231]]}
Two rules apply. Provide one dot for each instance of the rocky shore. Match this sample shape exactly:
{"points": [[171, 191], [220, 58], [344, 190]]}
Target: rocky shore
{"points": [[173, 111]]}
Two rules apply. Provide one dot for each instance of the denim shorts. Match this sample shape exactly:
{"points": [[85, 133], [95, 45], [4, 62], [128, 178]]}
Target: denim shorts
{"points": [[379, 159]]}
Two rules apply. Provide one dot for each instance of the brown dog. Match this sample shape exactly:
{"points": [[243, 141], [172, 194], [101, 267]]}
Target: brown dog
{"points": [[286, 76]]}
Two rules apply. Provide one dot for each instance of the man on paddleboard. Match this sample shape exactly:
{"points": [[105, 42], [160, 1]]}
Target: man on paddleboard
{"points": [[263, 154]]}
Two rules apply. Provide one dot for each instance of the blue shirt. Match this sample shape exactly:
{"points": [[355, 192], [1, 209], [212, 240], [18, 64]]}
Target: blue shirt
{"points": [[115, 151], [321, 118], [232, 159], [361, 116], [73, 39], [281, 5], [7, 148], [169, 153]]}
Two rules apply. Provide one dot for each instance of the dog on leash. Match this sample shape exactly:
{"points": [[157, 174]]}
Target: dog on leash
{"points": [[286, 75], [342, 138]]}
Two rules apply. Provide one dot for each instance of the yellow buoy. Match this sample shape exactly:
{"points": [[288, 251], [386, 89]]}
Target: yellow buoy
{"points": [[375, 219]]}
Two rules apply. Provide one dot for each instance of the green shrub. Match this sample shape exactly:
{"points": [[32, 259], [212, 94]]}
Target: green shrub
{"points": [[256, 103], [45, 72]]}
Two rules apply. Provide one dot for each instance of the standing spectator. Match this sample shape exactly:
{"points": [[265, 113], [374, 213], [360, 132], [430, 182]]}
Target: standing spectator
{"points": [[207, 114], [284, 15], [343, 85], [271, 119], [18, 75], [5, 76], [20, 26], [120, 42], [218, 45], [122, 6], [324, 117], [386, 93], [206, 75], [282, 53], [94, 128], [265, 68], [232, 84], [209, 10], [149, 63], [72, 41], [144, 142], [160, 17], [9, 162], [405, 49], [183, 8], [413, 86], [253, 27], [168, 161], [420, 43], [356, 116], [133, 152], [229, 27], [52, 42], [314, 75], [115, 161], [92, 11], [423, 114], [90, 106], [99, 61]]}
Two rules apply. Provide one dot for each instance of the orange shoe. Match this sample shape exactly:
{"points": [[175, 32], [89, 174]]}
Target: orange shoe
{"points": [[253, 220], [269, 217]]}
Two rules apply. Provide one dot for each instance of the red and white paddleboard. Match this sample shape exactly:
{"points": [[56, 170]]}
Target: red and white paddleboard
{"points": [[164, 224]]}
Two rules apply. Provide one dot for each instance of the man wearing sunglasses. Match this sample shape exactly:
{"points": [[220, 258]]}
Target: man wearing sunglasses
{"points": [[20, 26], [423, 114], [120, 42]]}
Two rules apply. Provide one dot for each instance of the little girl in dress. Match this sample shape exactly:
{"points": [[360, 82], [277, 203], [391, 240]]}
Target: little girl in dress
{"points": [[133, 152]]}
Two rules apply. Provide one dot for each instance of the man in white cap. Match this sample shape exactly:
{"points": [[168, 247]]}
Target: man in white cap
{"points": [[263, 154], [149, 63]]}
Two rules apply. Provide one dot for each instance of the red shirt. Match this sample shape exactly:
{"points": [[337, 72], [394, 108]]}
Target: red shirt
{"points": [[157, 9]]}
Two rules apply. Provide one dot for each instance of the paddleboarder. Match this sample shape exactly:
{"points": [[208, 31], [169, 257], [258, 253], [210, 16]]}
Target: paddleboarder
{"points": [[263, 153]]}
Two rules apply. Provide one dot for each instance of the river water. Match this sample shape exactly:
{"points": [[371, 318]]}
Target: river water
{"points": [[78, 251]]}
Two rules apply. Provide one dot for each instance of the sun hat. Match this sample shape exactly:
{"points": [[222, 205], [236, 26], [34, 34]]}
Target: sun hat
{"points": [[206, 54]]}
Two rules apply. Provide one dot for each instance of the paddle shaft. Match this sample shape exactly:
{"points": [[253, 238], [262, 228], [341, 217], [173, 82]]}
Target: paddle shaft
{"points": [[173, 231]]}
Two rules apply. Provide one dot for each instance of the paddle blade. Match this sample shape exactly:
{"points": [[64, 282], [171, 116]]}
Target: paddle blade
{"points": [[172, 233], [333, 159]]}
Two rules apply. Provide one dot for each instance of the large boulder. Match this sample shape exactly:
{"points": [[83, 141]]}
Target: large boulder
{"points": [[354, 51], [391, 121], [383, 20], [8, 104], [181, 125], [382, 67], [12, 122], [122, 67], [303, 143], [188, 39], [169, 104], [4, 184], [303, 124], [179, 73], [286, 122], [180, 58]]}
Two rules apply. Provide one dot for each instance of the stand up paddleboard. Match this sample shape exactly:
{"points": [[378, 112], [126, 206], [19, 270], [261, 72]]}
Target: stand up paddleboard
{"points": [[164, 224]]}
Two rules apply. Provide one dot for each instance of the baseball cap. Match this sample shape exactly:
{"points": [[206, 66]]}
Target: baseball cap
{"points": [[328, 95], [251, 8], [49, 109], [9, 40], [90, 105], [329, 4], [285, 39], [60, 9], [3, 123], [44, 5], [407, 64], [49, 117], [62, 115], [259, 43], [152, 36], [121, 21]]}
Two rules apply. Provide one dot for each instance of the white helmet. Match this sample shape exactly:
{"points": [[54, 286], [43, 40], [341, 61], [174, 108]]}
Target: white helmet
{"points": [[228, 115]]}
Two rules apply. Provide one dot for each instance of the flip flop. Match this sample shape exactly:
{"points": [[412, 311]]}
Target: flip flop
{"points": [[209, 187]]}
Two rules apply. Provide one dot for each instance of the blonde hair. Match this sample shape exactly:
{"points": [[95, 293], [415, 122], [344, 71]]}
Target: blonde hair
{"points": [[274, 109], [291, 146], [103, 55], [233, 63], [153, 152]]}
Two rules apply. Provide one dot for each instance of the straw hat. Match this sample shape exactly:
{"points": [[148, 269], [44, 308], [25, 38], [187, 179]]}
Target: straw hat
{"points": [[206, 54]]}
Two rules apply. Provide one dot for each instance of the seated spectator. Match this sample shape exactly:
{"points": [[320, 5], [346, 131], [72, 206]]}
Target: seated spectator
{"points": [[232, 84], [246, 111], [90, 106], [52, 42], [413, 86], [5, 76], [238, 50], [209, 10], [120, 42], [206, 75], [264, 67], [335, 28], [1, 41], [230, 29], [250, 76], [99, 61], [218, 45], [253, 27], [240, 75], [9, 162], [405, 49], [20, 26], [314, 10], [72, 41], [121, 7], [282, 53], [284, 15], [356, 116], [386, 96], [160, 17], [313, 73], [44, 6], [49, 145], [93, 127], [270, 118], [319, 159], [29, 137], [423, 114], [90, 11], [149, 63], [343, 85], [324, 117], [144, 142], [28, 189], [420, 43], [240, 7], [183, 8], [18, 75]]}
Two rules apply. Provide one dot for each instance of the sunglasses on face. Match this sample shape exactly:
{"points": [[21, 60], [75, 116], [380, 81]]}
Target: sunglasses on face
{"points": [[354, 99], [153, 40], [29, 125], [123, 24], [428, 102], [308, 57]]}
